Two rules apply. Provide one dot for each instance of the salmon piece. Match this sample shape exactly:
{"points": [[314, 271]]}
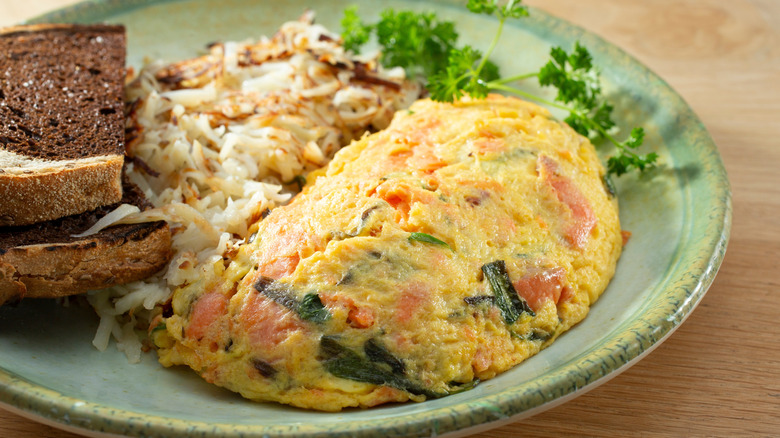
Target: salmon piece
{"points": [[278, 267], [288, 241], [206, 313], [626, 235], [410, 302], [424, 159], [361, 317], [482, 360], [266, 322], [539, 287], [401, 196], [583, 220], [357, 316]]}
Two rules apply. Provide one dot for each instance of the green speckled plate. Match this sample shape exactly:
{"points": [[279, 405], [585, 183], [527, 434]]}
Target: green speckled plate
{"points": [[679, 215]]}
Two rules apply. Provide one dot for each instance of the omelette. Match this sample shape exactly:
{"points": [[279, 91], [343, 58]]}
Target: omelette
{"points": [[423, 259]]}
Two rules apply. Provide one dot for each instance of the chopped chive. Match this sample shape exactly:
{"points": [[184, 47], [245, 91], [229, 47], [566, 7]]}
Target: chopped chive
{"points": [[264, 368], [376, 352], [480, 299], [508, 301], [427, 238], [309, 308], [378, 366], [312, 309], [276, 291]]}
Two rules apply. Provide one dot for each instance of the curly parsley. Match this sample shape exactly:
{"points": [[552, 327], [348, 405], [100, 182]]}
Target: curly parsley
{"points": [[418, 42], [427, 47]]}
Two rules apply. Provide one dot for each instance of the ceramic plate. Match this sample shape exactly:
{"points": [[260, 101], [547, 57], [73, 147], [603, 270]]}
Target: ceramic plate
{"points": [[679, 215]]}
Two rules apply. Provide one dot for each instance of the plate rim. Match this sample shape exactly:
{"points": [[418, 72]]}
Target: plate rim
{"points": [[20, 395]]}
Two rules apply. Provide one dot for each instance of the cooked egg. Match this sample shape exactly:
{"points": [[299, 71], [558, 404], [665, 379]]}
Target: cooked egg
{"points": [[422, 260]]}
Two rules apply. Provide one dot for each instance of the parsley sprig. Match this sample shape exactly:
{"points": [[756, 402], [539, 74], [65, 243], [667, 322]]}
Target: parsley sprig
{"points": [[415, 41], [427, 47]]}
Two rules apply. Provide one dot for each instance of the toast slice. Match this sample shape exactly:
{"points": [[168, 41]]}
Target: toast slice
{"points": [[61, 120], [44, 260]]}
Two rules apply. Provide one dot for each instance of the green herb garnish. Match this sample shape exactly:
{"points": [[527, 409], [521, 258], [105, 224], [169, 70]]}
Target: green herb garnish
{"points": [[346, 363], [416, 41], [506, 297], [427, 238], [354, 32], [376, 365], [312, 309], [309, 308], [376, 352]]}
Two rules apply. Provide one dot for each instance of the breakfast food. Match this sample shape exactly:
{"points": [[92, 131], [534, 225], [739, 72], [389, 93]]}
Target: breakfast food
{"points": [[61, 159], [52, 259], [424, 258], [216, 141], [61, 120]]}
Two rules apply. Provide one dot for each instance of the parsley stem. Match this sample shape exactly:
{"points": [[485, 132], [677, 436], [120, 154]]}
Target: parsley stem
{"points": [[494, 85], [516, 78], [451, 72], [612, 139], [493, 44], [499, 85]]}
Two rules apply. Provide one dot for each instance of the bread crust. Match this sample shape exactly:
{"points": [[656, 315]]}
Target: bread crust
{"points": [[30, 28], [11, 290], [43, 196], [116, 255]]}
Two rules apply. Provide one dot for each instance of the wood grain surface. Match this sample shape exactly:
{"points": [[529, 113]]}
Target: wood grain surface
{"points": [[719, 373]]}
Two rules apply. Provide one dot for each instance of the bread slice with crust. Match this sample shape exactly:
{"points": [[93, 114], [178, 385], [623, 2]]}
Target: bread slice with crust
{"points": [[44, 260], [61, 120]]}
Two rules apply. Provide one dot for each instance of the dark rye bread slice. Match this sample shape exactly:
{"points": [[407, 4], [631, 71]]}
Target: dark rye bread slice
{"points": [[44, 260], [61, 120]]}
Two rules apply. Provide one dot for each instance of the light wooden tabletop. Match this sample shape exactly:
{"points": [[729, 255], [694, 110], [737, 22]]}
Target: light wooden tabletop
{"points": [[719, 374]]}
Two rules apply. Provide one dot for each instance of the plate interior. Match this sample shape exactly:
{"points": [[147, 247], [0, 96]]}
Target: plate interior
{"points": [[678, 215]]}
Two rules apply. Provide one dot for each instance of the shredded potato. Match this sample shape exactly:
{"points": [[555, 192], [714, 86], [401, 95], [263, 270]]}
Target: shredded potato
{"points": [[217, 140]]}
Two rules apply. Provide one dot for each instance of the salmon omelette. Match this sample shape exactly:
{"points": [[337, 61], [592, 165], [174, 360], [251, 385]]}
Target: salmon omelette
{"points": [[424, 258]]}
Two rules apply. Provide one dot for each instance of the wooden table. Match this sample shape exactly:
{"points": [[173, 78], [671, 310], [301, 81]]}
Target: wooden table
{"points": [[719, 374]]}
